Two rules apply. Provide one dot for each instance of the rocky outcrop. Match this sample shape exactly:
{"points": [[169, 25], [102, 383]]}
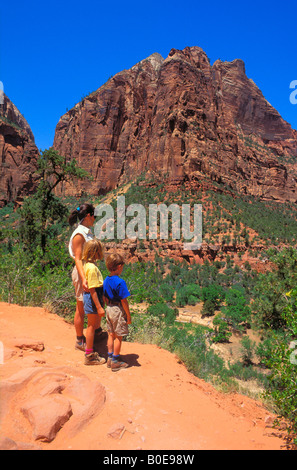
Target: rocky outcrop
{"points": [[145, 251], [184, 120], [49, 399], [18, 155]]}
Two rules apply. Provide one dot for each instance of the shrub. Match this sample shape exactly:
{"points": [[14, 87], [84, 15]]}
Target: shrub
{"points": [[269, 292], [162, 310], [209, 307], [264, 349], [283, 365], [213, 296], [188, 295], [36, 284], [247, 350], [236, 312], [213, 292], [222, 332], [167, 292], [148, 329]]}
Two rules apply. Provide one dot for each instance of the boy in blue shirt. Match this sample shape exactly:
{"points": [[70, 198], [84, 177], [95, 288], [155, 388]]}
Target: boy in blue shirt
{"points": [[118, 316]]}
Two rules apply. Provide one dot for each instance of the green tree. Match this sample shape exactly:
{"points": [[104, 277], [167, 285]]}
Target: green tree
{"points": [[247, 350], [41, 211], [271, 287], [212, 296], [236, 312], [187, 295], [221, 330]]}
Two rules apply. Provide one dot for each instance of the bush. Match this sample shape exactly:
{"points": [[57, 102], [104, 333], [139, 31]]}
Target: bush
{"points": [[264, 349], [209, 307], [213, 296], [162, 310], [271, 287], [148, 329], [37, 284], [222, 332], [192, 350], [283, 365], [213, 292], [167, 292], [236, 312], [247, 350], [188, 295]]}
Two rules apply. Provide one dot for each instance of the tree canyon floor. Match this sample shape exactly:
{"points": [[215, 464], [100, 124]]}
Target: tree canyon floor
{"points": [[154, 404]]}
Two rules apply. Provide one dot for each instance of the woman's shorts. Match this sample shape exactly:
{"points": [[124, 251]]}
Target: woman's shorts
{"points": [[116, 320], [78, 287]]}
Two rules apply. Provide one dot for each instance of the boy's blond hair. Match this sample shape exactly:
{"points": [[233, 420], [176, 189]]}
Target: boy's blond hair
{"points": [[113, 261], [92, 250]]}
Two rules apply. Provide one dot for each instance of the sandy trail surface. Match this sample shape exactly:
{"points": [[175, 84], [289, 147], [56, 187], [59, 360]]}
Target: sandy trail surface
{"points": [[155, 404]]}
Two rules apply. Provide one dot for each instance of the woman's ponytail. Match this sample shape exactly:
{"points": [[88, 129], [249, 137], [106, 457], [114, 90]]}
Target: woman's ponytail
{"points": [[80, 213]]}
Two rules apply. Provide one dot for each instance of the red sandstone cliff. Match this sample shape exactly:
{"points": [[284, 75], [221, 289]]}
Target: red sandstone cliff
{"points": [[18, 154], [185, 119]]}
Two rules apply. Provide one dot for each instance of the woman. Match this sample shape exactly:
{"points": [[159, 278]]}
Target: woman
{"points": [[84, 214]]}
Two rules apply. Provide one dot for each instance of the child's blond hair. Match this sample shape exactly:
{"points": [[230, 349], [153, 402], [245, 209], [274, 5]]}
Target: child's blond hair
{"points": [[92, 250], [113, 261]]}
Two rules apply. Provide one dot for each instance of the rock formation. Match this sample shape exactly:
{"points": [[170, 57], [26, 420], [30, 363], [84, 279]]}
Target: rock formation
{"points": [[18, 154], [183, 119], [49, 399]]}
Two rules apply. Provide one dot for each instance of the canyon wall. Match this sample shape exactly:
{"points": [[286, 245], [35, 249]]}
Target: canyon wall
{"points": [[181, 119], [18, 155]]}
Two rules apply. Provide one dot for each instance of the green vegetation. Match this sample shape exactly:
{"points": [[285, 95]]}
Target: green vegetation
{"points": [[35, 269], [283, 363], [11, 123], [41, 214]]}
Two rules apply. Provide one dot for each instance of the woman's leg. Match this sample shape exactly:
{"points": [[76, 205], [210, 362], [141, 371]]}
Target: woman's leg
{"points": [[98, 322], [79, 318]]}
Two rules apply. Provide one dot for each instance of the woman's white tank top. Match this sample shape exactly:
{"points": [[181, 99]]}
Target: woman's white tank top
{"points": [[85, 232]]}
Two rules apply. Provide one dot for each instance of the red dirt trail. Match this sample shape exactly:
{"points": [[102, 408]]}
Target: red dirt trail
{"points": [[158, 404]]}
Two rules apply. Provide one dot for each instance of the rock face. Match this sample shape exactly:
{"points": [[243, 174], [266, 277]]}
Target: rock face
{"points": [[183, 119], [18, 154], [49, 399]]}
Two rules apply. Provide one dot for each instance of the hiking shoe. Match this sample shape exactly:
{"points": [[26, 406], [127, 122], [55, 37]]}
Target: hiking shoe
{"points": [[109, 361], [118, 365], [80, 344], [93, 359]]}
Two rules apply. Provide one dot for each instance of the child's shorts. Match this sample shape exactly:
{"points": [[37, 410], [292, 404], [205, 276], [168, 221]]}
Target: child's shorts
{"points": [[89, 306], [116, 320]]}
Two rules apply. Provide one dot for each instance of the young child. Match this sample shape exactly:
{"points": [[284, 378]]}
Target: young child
{"points": [[118, 316], [93, 300]]}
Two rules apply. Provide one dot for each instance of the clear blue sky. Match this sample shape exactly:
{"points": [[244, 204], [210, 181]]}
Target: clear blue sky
{"points": [[54, 53]]}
